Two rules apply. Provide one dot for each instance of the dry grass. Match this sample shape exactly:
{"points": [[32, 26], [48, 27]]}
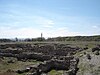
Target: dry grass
{"points": [[8, 73]]}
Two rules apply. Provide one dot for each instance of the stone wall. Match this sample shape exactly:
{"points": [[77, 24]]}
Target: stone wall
{"points": [[69, 63], [53, 56], [39, 52]]}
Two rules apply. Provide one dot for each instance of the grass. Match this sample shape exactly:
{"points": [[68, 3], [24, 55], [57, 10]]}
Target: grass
{"points": [[5, 66], [87, 67], [54, 72]]}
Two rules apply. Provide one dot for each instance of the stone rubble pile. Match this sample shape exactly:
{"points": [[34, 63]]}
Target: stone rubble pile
{"points": [[53, 56]]}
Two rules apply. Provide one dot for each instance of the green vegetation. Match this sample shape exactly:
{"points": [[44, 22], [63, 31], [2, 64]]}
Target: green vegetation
{"points": [[84, 66], [73, 38], [5, 65], [76, 38], [54, 72]]}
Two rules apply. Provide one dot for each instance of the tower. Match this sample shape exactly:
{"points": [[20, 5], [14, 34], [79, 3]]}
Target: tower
{"points": [[41, 36]]}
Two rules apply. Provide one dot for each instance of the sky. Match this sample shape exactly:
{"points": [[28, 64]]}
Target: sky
{"points": [[53, 18]]}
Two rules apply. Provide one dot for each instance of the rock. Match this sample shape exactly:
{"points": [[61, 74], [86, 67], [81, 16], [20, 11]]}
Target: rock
{"points": [[88, 56], [97, 53]]}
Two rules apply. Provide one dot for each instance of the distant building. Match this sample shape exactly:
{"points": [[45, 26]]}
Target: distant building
{"points": [[41, 35]]}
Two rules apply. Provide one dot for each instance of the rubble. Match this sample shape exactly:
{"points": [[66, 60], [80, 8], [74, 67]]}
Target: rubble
{"points": [[53, 56]]}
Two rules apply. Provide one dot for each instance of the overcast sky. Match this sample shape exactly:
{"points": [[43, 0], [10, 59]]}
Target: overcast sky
{"points": [[30, 18]]}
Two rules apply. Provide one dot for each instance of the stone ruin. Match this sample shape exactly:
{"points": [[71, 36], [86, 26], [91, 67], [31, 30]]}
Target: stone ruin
{"points": [[96, 50], [53, 56], [68, 63], [38, 52]]}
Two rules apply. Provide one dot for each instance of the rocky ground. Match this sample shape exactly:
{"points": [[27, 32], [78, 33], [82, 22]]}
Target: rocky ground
{"points": [[50, 59], [89, 66]]}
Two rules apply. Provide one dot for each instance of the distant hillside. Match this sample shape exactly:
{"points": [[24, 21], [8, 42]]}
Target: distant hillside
{"points": [[76, 38]]}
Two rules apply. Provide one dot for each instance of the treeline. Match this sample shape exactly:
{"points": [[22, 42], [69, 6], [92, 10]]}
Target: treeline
{"points": [[74, 38], [22, 40], [5, 40]]}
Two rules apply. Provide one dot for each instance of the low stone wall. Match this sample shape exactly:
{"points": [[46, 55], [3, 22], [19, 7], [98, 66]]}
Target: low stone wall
{"points": [[53, 56], [69, 64], [39, 52]]}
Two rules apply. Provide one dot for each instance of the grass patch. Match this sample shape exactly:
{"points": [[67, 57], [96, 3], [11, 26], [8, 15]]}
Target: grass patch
{"points": [[5, 66], [54, 72]]}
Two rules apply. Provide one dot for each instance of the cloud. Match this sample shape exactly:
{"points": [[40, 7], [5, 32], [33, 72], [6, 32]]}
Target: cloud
{"points": [[29, 26], [33, 32], [21, 32], [44, 22], [32, 21], [94, 26], [63, 31]]}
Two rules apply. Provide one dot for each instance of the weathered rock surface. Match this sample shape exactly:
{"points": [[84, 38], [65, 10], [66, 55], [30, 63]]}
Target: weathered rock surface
{"points": [[54, 56], [39, 52], [67, 63]]}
